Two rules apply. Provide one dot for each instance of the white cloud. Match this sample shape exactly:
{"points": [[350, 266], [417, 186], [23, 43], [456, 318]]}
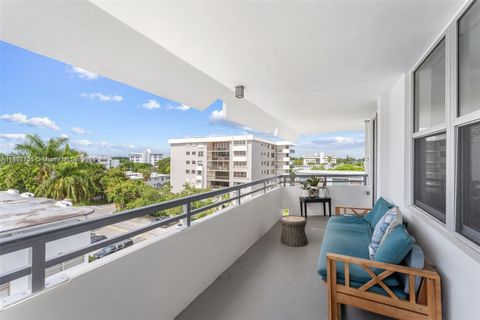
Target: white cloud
{"points": [[78, 130], [12, 136], [102, 97], [39, 122], [218, 115], [63, 135], [181, 107], [83, 142], [339, 140], [82, 73], [104, 147], [151, 104]]}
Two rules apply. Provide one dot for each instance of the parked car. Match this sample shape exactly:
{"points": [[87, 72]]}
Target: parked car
{"points": [[113, 248], [105, 251]]}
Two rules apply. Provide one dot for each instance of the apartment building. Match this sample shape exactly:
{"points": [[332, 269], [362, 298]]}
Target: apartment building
{"points": [[319, 158], [106, 161], [155, 179], [145, 157], [218, 162]]}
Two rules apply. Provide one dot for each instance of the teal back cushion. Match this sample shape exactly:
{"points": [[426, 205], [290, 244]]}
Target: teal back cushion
{"points": [[395, 247], [378, 210]]}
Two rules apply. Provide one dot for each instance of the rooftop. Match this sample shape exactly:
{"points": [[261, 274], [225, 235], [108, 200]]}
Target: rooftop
{"points": [[17, 212], [227, 138]]}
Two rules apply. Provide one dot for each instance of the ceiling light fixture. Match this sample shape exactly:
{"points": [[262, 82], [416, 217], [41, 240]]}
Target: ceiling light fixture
{"points": [[239, 92]]}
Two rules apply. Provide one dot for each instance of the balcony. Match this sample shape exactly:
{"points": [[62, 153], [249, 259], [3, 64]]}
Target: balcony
{"points": [[212, 244], [329, 66]]}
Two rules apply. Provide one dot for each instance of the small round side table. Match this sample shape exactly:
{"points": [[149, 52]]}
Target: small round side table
{"points": [[293, 231]]}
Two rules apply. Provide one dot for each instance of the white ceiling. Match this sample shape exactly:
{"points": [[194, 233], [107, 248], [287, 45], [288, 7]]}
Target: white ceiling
{"points": [[306, 66], [316, 66]]}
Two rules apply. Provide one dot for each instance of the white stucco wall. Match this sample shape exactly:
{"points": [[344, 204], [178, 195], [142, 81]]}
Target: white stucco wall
{"points": [[158, 278], [352, 196], [458, 266]]}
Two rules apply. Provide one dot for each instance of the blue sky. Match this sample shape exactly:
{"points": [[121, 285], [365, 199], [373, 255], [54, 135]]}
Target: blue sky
{"points": [[101, 116]]}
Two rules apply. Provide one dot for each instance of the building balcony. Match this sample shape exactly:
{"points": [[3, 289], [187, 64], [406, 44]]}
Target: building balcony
{"points": [[334, 67], [167, 284]]}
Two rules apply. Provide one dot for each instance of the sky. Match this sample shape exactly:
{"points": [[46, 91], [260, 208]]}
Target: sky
{"points": [[43, 96]]}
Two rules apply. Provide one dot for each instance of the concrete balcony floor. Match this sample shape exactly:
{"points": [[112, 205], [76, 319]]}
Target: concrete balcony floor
{"points": [[271, 281]]}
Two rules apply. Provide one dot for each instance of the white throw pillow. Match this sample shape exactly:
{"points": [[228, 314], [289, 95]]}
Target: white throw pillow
{"points": [[383, 228]]}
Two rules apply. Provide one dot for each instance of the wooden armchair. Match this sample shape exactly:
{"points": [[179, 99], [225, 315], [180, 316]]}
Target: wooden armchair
{"points": [[425, 305]]}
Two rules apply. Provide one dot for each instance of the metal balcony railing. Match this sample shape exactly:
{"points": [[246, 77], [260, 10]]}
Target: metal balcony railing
{"points": [[336, 179], [37, 240]]}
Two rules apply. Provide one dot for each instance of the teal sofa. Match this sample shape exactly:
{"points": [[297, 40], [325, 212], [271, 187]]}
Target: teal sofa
{"points": [[350, 235]]}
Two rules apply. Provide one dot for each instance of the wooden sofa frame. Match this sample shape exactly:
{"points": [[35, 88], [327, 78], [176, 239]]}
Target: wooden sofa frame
{"points": [[426, 304]]}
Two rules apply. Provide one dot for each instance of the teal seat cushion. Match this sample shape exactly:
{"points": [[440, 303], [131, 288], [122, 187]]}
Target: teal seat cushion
{"points": [[346, 219], [351, 240], [357, 226], [378, 211]]}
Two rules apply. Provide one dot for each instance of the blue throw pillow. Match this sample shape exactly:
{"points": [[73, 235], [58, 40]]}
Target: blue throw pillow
{"points": [[381, 207], [414, 259], [395, 247], [384, 227], [369, 216]]}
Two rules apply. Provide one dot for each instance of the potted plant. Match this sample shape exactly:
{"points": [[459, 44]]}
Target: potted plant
{"points": [[313, 186], [305, 187]]}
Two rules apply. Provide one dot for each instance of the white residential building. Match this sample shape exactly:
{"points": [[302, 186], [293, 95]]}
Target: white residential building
{"points": [[145, 157], [155, 180], [319, 158], [106, 161], [218, 162]]}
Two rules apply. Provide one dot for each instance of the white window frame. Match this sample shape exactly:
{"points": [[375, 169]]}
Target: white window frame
{"points": [[452, 123]]}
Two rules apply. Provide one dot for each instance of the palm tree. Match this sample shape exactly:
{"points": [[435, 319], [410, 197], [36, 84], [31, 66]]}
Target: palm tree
{"points": [[68, 180], [146, 174], [35, 147]]}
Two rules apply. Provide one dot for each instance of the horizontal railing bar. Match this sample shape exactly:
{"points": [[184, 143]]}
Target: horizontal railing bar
{"points": [[213, 205], [107, 242], [252, 192], [10, 276], [213, 193]]}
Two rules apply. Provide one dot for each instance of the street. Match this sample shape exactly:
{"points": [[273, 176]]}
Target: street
{"points": [[124, 226]]}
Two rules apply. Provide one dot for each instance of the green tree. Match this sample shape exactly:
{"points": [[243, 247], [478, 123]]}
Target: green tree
{"points": [[125, 192], [18, 176], [112, 177], [136, 167], [146, 173], [34, 146], [297, 161], [71, 180], [348, 167], [163, 166], [319, 167]]}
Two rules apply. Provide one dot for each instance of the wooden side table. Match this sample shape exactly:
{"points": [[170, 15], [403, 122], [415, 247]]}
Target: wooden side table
{"points": [[305, 200]]}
